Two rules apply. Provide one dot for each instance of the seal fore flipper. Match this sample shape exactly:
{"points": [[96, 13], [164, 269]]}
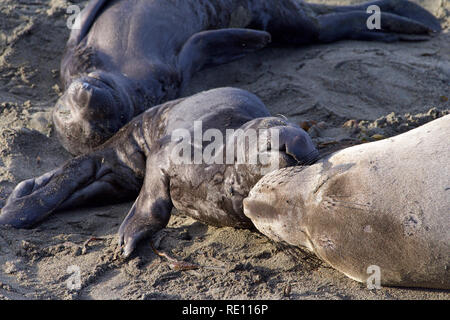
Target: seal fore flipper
{"points": [[34, 199], [402, 8], [399, 19], [76, 183], [149, 213], [214, 47], [352, 25]]}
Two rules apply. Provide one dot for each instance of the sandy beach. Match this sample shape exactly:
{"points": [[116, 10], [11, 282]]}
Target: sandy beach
{"points": [[345, 93]]}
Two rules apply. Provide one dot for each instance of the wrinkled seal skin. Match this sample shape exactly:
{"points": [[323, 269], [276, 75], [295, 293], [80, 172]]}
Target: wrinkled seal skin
{"points": [[140, 157], [130, 55], [384, 203]]}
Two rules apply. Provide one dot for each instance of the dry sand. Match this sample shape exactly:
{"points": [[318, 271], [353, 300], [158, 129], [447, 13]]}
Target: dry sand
{"points": [[329, 84]]}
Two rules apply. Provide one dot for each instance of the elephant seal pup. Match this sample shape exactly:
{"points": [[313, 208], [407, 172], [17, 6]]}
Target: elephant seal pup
{"points": [[153, 153], [385, 204], [130, 55]]}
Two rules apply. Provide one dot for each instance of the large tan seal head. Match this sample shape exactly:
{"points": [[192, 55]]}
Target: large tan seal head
{"points": [[384, 204]]}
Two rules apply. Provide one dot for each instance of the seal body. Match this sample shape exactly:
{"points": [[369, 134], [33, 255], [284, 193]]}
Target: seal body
{"points": [[130, 55], [384, 204], [155, 156]]}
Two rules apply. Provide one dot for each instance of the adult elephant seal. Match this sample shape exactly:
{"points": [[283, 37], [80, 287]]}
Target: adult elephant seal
{"points": [[130, 55], [384, 204], [154, 151]]}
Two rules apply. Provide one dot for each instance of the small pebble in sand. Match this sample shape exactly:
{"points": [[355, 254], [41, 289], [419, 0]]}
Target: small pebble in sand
{"points": [[57, 89], [350, 124], [27, 245], [378, 137], [9, 267], [77, 251], [322, 125], [305, 125], [287, 290]]}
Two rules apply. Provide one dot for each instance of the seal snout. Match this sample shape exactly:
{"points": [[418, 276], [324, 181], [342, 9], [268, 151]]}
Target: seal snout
{"points": [[275, 213], [94, 99], [266, 39], [258, 40], [83, 93]]}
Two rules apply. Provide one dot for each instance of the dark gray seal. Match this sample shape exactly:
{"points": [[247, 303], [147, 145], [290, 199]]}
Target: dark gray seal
{"points": [[130, 55], [383, 204], [143, 156]]}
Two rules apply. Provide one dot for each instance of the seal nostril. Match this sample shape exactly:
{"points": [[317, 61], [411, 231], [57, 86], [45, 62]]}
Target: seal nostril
{"points": [[83, 97]]}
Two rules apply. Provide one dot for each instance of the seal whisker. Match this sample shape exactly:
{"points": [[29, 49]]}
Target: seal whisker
{"points": [[348, 202]]}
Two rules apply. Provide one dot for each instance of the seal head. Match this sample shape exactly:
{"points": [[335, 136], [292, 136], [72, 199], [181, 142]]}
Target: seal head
{"points": [[380, 205], [86, 115]]}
